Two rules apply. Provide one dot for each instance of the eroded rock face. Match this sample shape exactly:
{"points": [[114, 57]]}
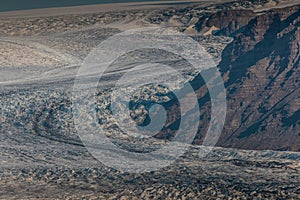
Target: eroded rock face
{"points": [[261, 73], [227, 21]]}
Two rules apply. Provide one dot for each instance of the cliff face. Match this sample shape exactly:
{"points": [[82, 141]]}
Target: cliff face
{"points": [[260, 69], [261, 73], [228, 21]]}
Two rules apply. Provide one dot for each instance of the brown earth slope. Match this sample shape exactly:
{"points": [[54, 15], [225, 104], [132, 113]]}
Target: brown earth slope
{"points": [[260, 69]]}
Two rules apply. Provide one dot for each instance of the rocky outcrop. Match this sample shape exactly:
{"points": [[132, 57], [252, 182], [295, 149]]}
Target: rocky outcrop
{"points": [[260, 69], [227, 21], [261, 73]]}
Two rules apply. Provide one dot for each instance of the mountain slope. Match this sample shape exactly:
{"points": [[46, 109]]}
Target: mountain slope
{"points": [[261, 73]]}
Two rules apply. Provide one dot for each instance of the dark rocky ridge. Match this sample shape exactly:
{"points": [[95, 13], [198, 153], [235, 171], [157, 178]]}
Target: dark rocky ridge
{"points": [[261, 73], [228, 21]]}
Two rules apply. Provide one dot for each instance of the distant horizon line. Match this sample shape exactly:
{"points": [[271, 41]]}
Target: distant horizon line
{"points": [[17, 5]]}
